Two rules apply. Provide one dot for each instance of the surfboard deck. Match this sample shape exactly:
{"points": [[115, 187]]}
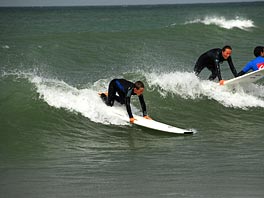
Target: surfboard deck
{"points": [[153, 124], [245, 79], [159, 126]]}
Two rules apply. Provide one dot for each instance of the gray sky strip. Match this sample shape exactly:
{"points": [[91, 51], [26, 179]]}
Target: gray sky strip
{"points": [[106, 2]]}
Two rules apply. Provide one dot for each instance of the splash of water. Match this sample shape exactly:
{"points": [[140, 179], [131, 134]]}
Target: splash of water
{"points": [[84, 101], [222, 22], [189, 86]]}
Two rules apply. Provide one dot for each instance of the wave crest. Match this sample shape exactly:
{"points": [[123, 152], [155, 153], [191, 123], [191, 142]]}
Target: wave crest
{"points": [[85, 101], [222, 22], [189, 86]]}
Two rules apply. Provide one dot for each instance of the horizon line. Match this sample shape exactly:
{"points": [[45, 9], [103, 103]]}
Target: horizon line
{"points": [[125, 5]]}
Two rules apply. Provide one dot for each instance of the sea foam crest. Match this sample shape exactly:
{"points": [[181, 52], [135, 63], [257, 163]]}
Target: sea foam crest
{"points": [[222, 22], [85, 101], [189, 86]]}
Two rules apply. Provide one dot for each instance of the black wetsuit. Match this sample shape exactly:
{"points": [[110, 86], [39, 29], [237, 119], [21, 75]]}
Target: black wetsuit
{"points": [[212, 60], [124, 89]]}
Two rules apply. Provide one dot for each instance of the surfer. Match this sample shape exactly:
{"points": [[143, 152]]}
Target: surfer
{"points": [[212, 60], [125, 90], [255, 64]]}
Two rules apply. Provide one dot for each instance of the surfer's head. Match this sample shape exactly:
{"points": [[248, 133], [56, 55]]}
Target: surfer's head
{"points": [[139, 88], [258, 51], [226, 51]]}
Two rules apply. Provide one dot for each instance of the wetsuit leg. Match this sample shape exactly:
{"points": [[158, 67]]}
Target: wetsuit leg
{"points": [[112, 90], [111, 93], [117, 98], [213, 75], [198, 68], [104, 98], [120, 98]]}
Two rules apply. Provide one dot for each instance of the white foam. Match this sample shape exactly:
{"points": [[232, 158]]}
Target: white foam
{"points": [[222, 22], [84, 101], [187, 85], [5, 47]]}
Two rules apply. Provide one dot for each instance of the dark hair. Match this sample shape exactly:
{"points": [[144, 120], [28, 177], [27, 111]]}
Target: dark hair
{"points": [[258, 50], [139, 85], [226, 47]]}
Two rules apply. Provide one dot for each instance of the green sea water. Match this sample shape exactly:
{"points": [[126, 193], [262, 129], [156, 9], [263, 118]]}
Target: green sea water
{"points": [[57, 138]]}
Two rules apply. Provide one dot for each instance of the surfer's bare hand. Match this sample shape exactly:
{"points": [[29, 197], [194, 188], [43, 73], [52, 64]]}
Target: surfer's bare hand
{"points": [[147, 117], [222, 82], [132, 120]]}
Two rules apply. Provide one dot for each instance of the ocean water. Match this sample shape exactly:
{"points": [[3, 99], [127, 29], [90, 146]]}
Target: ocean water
{"points": [[57, 138]]}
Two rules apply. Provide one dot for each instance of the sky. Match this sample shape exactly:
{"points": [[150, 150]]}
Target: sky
{"points": [[4, 3]]}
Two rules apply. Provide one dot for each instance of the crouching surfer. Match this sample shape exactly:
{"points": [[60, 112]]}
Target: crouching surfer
{"points": [[125, 89], [255, 64]]}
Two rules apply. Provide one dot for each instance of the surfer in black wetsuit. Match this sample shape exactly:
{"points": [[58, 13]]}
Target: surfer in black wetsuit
{"points": [[212, 60], [125, 90]]}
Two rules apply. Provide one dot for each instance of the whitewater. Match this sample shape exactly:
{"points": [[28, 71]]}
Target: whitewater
{"points": [[186, 85], [223, 22]]}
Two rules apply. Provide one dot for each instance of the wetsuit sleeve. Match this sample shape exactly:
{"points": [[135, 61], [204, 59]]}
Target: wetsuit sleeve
{"points": [[128, 107], [232, 67], [143, 105], [241, 73], [218, 72]]}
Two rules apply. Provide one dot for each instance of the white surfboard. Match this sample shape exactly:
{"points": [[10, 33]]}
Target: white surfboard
{"points": [[155, 125], [245, 79], [152, 124]]}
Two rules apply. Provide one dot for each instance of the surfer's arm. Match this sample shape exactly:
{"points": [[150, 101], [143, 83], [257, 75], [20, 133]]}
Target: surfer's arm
{"points": [[143, 105], [217, 69], [241, 73], [232, 67], [128, 107]]}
